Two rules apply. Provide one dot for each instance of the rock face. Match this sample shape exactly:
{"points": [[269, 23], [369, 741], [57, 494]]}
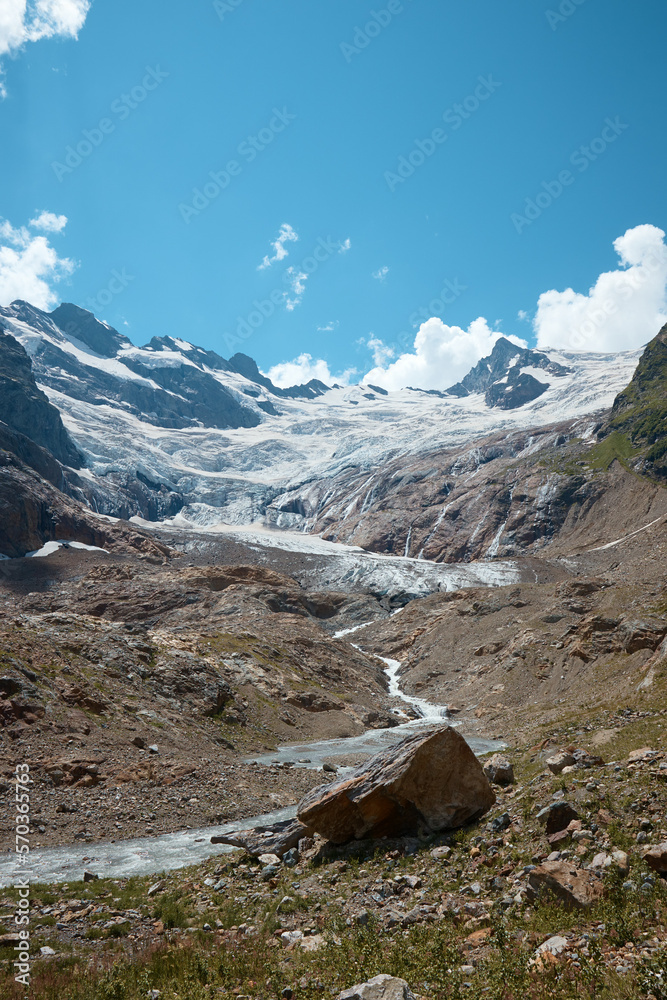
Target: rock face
{"points": [[573, 886], [431, 779], [25, 408], [499, 376], [380, 988]]}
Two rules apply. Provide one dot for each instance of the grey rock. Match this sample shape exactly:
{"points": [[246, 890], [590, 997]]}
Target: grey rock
{"points": [[380, 988]]}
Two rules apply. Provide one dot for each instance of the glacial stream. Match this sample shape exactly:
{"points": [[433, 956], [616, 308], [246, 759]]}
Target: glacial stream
{"points": [[149, 855]]}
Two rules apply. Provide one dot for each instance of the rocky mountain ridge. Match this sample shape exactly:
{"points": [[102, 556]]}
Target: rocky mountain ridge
{"points": [[172, 429]]}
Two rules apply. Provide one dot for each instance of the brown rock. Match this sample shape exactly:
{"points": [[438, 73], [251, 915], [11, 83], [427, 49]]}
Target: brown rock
{"points": [[431, 778], [575, 887], [656, 858]]}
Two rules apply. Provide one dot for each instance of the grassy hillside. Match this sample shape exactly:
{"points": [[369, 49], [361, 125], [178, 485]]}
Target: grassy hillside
{"points": [[636, 432]]}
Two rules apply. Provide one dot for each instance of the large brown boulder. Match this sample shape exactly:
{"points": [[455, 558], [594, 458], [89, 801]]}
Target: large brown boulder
{"points": [[430, 779]]}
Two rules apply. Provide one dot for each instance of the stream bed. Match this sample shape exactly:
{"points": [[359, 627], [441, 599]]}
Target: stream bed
{"points": [[169, 851]]}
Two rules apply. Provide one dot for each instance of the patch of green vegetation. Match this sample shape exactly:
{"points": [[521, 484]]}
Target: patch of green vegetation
{"points": [[171, 910], [615, 446]]}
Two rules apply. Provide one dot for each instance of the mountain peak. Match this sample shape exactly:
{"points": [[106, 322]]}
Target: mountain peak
{"points": [[82, 325]]}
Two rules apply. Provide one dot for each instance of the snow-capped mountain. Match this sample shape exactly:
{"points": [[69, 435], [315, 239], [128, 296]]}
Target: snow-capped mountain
{"points": [[172, 428]]}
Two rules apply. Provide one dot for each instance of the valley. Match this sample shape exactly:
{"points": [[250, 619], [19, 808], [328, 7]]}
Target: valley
{"points": [[216, 595]]}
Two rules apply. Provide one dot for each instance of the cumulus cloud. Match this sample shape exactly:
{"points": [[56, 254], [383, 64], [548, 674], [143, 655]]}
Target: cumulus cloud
{"points": [[286, 235], [442, 355], [29, 266], [381, 274], [23, 21], [623, 310], [49, 223], [345, 246], [303, 369]]}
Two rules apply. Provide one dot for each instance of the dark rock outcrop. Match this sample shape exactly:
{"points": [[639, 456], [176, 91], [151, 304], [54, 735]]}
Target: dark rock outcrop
{"points": [[25, 409]]}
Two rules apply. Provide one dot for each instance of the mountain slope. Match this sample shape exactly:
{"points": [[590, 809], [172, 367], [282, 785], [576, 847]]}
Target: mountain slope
{"points": [[637, 427]]}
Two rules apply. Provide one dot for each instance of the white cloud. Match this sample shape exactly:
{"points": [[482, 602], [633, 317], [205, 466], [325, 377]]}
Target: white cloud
{"points": [[23, 21], [381, 352], [286, 235], [345, 246], [623, 310], [329, 328], [303, 369], [381, 274], [523, 315], [442, 356], [297, 281], [49, 222], [29, 266]]}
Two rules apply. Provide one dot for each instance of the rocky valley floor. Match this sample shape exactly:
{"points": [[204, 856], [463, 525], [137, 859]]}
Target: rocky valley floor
{"points": [[140, 687]]}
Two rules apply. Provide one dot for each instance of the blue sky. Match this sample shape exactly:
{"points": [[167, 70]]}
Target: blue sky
{"points": [[304, 110]]}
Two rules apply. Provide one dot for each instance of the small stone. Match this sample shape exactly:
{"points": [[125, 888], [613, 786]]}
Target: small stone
{"points": [[158, 887], [330, 768], [90, 876], [287, 993], [269, 859], [441, 853], [291, 937], [153, 748], [46, 951]]}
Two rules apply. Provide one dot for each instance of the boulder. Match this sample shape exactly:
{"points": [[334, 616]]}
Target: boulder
{"points": [[260, 840], [380, 988], [559, 761], [656, 858], [557, 816], [499, 770], [431, 778], [573, 886]]}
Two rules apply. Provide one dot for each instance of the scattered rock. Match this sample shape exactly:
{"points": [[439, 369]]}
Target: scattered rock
{"points": [[90, 876], [430, 779], [380, 988], [499, 770]]}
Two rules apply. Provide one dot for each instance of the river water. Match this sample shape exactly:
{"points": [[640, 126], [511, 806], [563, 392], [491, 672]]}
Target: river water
{"points": [[149, 855]]}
